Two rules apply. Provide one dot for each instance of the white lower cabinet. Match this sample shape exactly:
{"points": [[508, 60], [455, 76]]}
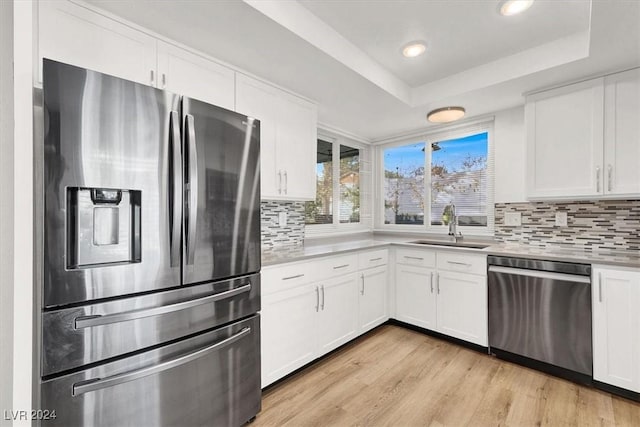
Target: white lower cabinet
{"points": [[616, 327], [462, 306], [434, 291], [338, 314], [308, 309], [415, 297], [372, 307], [287, 331]]}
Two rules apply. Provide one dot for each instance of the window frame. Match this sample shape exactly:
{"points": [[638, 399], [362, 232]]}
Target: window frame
{"points": [[338, 228], [440, 134]]}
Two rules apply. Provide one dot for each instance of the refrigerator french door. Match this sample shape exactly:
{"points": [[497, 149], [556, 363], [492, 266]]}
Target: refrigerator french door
{"points": [[222, 176], [132, 175], [151, 281]]}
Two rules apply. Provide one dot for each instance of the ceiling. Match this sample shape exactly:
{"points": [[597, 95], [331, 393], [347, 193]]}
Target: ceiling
{"points": [[460, 34], [346, 54]]}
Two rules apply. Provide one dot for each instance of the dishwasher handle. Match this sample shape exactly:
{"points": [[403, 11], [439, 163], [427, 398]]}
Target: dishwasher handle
{"points": [[539, 274]]}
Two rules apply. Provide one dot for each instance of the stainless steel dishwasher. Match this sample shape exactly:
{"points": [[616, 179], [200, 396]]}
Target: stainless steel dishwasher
{"points": [[540, 311]]}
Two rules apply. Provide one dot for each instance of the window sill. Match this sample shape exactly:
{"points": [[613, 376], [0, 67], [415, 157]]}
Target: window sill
{"points": [[420, 230], [320, 231]]}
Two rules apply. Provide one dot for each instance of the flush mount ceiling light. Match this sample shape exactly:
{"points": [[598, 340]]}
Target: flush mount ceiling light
{"points": [[513, 7], [446, 114], [413, 49]]}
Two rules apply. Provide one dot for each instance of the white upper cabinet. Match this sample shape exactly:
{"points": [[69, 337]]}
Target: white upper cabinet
{"points": [[622, 133], [288, 138], [75, 35], [564, 141], [186, 73], [583, 140]]}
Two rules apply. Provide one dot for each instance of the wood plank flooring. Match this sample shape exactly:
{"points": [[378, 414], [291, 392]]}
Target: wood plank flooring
{"points": [[398, 377]]}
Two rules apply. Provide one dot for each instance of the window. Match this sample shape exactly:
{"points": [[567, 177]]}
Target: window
{"points": [[458, 173], [321, 210], [338, 180]]}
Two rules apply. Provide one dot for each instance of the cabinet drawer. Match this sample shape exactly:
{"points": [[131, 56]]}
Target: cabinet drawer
{"points": [[422, 258], [336, 265], [462, 262], [284, 276], [373, 259]]}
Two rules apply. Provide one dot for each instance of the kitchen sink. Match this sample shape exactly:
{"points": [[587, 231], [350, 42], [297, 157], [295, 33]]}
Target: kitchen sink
{"points": [[452, 244]]}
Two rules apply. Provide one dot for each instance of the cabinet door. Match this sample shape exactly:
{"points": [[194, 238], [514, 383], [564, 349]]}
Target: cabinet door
{"points": [[462, 306], [296, 148], [616, 328], [415, 296], [75, 35], [260, 100], [338, 320], [622, 134], [288, 331], [185, 73], [565, 141], [373, 298]]}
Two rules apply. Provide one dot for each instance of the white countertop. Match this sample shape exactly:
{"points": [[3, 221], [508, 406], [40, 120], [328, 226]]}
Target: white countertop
{"points": [[319, 248]]}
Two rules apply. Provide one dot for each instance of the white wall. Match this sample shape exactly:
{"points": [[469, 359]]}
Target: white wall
{"points": [[6, 209], [509, 140], [22, 242]]}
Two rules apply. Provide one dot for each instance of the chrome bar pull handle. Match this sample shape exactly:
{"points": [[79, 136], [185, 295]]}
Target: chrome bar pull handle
{"points": [[286, 182], [322, 289], [431, 281], [340, 266], [362, 278], [279, 182], [414, 257], [600, 287], [438, 283], [152, 76], [175, 189], [598, 179], [95, 384], [164, 80], [293, 277], [610, 178], [317, 299], [91, 321], [466, 264], [192, 188]]}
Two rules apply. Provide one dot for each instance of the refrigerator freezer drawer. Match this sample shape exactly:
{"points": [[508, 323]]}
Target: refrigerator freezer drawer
{"points": [[209, 379], [77, 336]]}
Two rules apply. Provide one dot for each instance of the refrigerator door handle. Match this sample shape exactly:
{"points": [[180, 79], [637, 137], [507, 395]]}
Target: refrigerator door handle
{"points": [[100, 383], [192, 188], [100, 320], [176, 188]]}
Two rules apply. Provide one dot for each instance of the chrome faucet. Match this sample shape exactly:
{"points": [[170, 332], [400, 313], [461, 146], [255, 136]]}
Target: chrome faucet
{"points": [[453, 223]]}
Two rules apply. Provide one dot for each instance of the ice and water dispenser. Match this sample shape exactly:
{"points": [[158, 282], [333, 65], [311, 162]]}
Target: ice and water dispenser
{"points": [[103, 227]]}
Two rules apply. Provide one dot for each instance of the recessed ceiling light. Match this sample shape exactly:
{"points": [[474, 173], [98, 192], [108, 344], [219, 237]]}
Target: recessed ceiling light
{"points": [[413, 49], [513, 7], [446, 114]]}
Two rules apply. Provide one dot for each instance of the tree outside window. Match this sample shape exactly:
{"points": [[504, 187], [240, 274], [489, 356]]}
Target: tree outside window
{"points": [[458, 175], [337, 180]]}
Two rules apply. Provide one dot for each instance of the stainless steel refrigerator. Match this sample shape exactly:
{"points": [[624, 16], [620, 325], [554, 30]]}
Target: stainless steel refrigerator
{"points": [[151, 284]]}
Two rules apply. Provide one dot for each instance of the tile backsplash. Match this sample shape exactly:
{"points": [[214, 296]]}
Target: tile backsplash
{"points": [[591, 225], [273, 235]]}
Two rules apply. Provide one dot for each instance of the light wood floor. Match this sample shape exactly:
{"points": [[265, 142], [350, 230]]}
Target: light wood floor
{"points": [[394, 376]]}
